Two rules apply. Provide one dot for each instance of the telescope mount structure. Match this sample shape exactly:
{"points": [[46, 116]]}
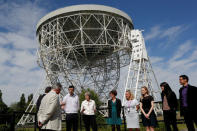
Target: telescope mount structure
{"points": [[140, 71], [87, 46]]}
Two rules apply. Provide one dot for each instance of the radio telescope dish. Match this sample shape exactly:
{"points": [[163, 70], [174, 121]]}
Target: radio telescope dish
{"points": [[85, 45]]}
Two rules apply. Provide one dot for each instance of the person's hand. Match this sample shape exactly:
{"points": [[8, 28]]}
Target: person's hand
{"points": [[61, 103], [95, 110], [147, 116], [137, 107], [62, 107], [39, 124], [82, 111]]}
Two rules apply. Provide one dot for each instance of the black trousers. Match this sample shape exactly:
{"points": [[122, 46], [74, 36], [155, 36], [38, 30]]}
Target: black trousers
{"points": [[90, 121], [47, 130], [190, 118], [170, 119], [114, 127], [72, 122]]}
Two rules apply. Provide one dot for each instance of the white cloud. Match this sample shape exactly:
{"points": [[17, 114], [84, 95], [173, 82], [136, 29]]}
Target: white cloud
{"points": [[170, 34], [154, 32], [155, 59], [183, 61], [24, 59], [3, 40], [18, 41], [18, 68], [184, 48], [20, 17], [18, 81], [5, 55], [184, 58]]}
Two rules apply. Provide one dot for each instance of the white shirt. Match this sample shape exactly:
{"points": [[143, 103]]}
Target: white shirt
{"points": [[71, 103], [89, 107], [130, 106]]}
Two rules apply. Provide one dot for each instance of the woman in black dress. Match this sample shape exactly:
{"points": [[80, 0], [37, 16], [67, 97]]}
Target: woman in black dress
{"points": [[169, 102], [146, 106]]}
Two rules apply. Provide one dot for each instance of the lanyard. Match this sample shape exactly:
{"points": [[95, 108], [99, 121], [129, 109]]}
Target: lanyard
{"points": [[129, 103]]}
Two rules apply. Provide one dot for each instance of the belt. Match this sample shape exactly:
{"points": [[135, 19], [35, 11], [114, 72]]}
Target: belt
{"points": [[71, 113]]}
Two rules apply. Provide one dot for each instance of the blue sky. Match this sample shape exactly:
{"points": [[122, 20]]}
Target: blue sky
{"points": [[169, 31]]}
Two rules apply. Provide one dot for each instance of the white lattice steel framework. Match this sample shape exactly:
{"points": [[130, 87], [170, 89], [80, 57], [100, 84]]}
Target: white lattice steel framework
{"points": [[86, 46], [140, 72]]}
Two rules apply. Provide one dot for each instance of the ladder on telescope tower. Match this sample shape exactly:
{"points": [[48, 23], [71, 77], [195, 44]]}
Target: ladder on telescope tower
{"points": [[140, 71]]}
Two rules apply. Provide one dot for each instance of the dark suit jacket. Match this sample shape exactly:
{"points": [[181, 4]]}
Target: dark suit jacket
{"points": [[39, 101], [172, 100], [191, 99], [118, 107]]}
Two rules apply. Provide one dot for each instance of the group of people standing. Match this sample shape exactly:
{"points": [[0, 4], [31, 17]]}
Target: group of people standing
{"points": [[188, 106], [49, 111], [71, 106]]}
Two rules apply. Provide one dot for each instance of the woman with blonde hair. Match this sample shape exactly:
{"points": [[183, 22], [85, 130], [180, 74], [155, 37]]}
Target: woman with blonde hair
{"points": [[131, 107], [146, 106]]}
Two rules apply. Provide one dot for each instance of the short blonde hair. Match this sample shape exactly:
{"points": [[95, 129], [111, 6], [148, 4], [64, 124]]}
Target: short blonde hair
{"points": [[131, 94]]}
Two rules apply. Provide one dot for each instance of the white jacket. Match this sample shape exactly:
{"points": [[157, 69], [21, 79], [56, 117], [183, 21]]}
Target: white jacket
{"points": [[49, 113]]}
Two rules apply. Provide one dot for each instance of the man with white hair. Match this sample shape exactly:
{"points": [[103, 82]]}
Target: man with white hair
{"points": [[49, 114]]}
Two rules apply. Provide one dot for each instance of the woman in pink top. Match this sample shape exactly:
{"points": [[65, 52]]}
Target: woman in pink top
{"points": [[169, 102]]}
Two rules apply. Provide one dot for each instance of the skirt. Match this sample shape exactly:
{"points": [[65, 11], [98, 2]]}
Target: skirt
{"points": [[132, 120], [152, 121], [112, 121]]}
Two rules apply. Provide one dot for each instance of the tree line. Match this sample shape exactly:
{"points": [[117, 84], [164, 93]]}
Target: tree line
{"points": [[19, 106]]}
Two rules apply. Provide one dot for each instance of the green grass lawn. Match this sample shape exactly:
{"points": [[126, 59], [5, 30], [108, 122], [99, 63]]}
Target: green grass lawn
{"points": [[160, 127], [108, 128]]}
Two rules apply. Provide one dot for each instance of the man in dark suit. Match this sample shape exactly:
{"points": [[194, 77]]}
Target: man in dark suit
{"points": [[47, 90], [188, 99]]}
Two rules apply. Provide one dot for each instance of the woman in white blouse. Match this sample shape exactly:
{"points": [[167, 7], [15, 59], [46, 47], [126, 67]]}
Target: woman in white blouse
{"points": [[131, 106], [88, 109]]}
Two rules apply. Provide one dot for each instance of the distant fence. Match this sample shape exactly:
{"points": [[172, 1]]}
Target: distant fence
{"points": [[9, 122]]}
